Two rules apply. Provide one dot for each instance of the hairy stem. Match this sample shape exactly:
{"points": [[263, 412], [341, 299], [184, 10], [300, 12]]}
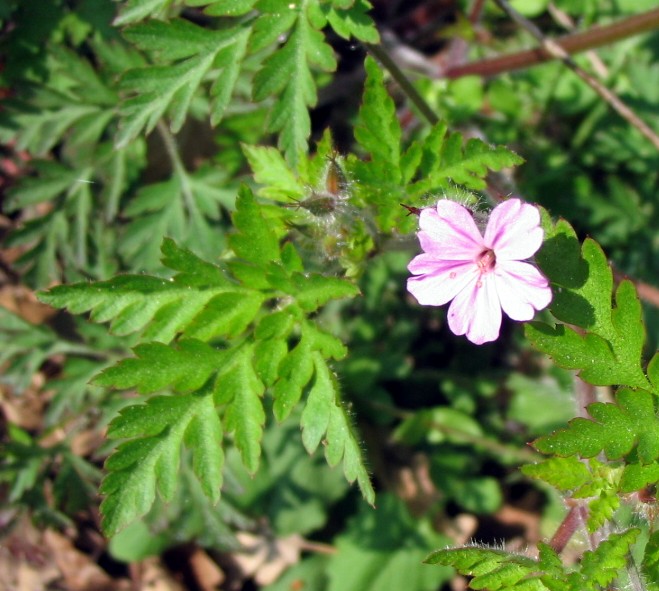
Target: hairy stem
{"points": [[573, 521]]}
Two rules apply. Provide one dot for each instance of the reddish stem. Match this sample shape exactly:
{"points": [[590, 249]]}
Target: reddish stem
{"points": [[573, 521], [575, 43]]}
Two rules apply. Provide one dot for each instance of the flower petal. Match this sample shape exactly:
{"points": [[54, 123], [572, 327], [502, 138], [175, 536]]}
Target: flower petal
{"points": [[440, 281], [476, 312], [449, 232], [514, 231], [522, 289]]}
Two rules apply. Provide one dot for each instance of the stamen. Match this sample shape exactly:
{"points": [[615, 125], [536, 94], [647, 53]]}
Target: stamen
{"points": [[486, 261]]}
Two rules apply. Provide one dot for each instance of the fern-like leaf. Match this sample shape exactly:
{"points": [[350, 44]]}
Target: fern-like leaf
{"points": [[438, 161], [602, 566], [496, 570], [149, 463], [287, 72], [595, 481], [565, 474], [324, 414], [351, 19], [492, 569], [158, 308], [169, 87], [228, 347], [616, 429], [184, 368], [240, 389]]}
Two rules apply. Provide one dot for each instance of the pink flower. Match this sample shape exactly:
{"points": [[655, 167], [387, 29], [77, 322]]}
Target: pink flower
{"points": [[481, 274]]}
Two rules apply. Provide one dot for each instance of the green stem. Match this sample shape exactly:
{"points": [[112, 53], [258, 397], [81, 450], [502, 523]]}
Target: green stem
{"points": [[379, 53], [177, 164]]}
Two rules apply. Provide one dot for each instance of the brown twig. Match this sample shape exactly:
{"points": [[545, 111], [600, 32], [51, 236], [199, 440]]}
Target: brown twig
{"points": [[565, 20], [575, 43], [557, 51]]}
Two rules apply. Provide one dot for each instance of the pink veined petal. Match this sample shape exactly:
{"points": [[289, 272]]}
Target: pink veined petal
{"points": [[522, 289], [426, 264], [513, 230], [442, 282], [449, 232], [476, 312]]}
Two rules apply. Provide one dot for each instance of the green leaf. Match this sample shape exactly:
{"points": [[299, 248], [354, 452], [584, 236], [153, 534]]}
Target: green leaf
{"points": [[637, 476], [295, 372], [297, 368], [24, 347], [353, 21], [136, 10], [256, 241], [492, 569], [595, 481], [136, 542], [271, 347], [157, 307], [195, 51], [651, 561], [496, 570], [224, 7], [565, 474], [653, 371], [270, 169], [616, 429], [446, 158], [226, 314], [610, 351], [602, 509], [53, 114], [553, 394], [603, 565], [377, 129], [287, 73], [268, 355], [293, 491], [240, 389], [318, 409], [51, 180], [313, 291], [150, 462], [439, 160], [275, 325], [193, 271], [325, 414], [157, 366]]}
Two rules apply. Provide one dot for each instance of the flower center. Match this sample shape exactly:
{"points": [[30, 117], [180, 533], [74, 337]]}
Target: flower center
{"points": [[486, 261]]}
